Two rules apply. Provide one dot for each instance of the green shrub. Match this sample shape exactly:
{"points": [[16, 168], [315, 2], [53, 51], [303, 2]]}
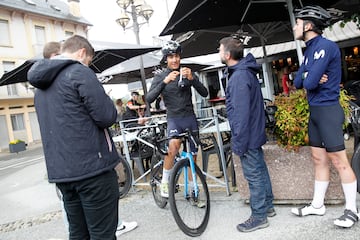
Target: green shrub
{"points": [[292, 118]]}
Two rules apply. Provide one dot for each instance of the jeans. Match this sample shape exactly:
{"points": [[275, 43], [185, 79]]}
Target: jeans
{"points": [[92, 207], [256, 173]]}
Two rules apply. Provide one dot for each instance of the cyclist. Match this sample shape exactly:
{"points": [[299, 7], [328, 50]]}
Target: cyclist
{"points": [[322, 60], [176, 93]]}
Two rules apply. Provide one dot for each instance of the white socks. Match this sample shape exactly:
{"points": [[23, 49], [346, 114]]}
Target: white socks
{"points": [[320, 188], [166, 176], [350, 195], [349, 190]]}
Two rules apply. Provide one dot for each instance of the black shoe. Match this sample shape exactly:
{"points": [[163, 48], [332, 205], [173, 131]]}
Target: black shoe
{"points": [[252, 224], [271, 212]]}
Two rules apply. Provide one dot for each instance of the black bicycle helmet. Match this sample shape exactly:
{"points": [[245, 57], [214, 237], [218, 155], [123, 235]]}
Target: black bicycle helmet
{"points": [[316, 14], [170, 47]]}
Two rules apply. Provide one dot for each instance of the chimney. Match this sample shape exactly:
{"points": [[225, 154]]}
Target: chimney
{"points": [[74, 7]]}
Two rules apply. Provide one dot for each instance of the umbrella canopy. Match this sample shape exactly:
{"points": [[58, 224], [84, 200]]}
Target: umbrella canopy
{"points": [[106, 55], [18, 74], [204, 23], [205, 14], [206, 41], [109, 54], [129, 71]]}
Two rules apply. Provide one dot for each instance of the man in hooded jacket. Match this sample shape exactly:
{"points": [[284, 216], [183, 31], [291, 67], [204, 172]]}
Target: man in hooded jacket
{"points": [[245, 111], [74, 113]]}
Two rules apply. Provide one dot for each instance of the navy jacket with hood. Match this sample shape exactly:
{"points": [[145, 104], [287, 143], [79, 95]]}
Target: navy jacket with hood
{"points": [[245, 106], [74, 113]]}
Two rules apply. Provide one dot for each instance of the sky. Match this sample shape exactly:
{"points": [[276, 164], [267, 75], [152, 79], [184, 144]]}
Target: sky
{"points": [[103, 14]]}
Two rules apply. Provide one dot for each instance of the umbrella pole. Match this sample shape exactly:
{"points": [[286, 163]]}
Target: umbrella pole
{"points": [[143, 83], [290, 8], [142, 71]]}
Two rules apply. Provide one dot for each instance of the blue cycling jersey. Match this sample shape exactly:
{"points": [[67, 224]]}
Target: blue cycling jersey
{"points": [[321, 56]]}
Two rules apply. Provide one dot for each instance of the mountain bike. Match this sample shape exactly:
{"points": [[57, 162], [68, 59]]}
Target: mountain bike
{"points": [[355, 122], [124, 173], [188, 192]]}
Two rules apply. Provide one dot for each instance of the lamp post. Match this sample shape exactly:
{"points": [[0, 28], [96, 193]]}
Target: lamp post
{"points": [[138, 8]]}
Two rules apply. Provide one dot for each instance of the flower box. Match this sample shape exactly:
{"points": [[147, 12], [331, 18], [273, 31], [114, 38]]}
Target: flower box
{"points": [[292, 177], [17, 147]]}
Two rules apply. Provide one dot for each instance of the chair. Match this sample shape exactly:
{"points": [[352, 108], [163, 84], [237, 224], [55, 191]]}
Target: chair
{"points": [[140, 152], [208, 146], [270, 118], [226, 137]]}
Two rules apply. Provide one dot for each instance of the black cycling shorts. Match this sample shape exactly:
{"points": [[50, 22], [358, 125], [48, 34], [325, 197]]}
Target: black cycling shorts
{"points": [[326, 127], [176, 126]]}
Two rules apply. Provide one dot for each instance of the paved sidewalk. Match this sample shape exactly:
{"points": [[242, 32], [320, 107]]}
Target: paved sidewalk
{"points": [[155, 223], [226, 213]]}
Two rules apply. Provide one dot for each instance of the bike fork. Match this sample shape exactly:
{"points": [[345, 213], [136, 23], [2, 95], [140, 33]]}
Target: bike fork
{"points": [[187, 192]]}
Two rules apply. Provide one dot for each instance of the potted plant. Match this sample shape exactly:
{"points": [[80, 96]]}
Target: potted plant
{"points": [[17, 146], [292, 118], [289, 158]]}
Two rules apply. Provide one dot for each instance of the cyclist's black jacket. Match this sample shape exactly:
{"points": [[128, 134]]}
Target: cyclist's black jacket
{"points": [[177, 99]]}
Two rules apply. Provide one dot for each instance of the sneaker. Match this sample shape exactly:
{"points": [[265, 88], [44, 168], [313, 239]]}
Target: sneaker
{"points": [[164, 190], [196, 202], [271, 212], [252, 224], [347, 219], [308, 210], [125, 227]]}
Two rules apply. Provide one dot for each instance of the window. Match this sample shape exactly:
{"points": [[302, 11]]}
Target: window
{"points": [[30, 2], [8, 66], [5, 32], [40, 35], [68, 34], [17, 121], [12, 90]]}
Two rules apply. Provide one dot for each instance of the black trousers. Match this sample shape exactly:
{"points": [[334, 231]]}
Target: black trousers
{"points": [[91, 206]]}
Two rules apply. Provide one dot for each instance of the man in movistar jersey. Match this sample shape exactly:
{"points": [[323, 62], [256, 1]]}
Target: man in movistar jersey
{"points": [[320, 75]]}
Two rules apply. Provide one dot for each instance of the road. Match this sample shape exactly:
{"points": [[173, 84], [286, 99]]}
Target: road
{"points": [[29, 209], [24, 187]]}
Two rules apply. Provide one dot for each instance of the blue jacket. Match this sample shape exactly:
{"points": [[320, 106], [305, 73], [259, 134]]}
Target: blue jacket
{"points": [[321, 56], [74, 112], [245, 106]]}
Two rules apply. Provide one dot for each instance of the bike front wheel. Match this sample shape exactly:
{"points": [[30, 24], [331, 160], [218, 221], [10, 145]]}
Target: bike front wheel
{"points": [[355, 164], [155, 181], [191, 210], [124, 173]]}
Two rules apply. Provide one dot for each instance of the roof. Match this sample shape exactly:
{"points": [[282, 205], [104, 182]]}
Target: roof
{"points": [[49, 8]]}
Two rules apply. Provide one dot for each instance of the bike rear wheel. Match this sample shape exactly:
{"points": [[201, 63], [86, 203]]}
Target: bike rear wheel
{"points": [[191, 212], [155, 181], [124, 173], [355, 164]]}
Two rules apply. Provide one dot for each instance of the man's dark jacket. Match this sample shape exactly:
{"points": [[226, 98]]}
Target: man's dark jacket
{"points": [[74, 113], [245, 106]]}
